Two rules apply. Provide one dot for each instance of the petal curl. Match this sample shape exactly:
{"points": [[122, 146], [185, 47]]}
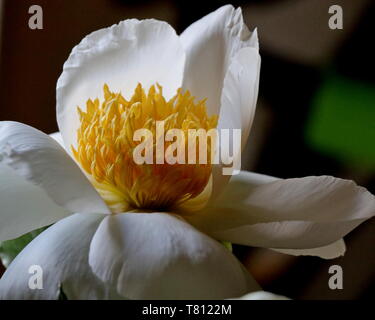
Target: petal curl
{"points": [[240, 92], [41, 160], [223, 65], [238, 103], [210, 44]]}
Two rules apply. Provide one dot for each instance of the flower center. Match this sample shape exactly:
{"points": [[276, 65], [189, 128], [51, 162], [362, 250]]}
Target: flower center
{"points": [[106, 144]]}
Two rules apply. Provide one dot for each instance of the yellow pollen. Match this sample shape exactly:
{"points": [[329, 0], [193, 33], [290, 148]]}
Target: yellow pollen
{"points": [[105, 148]]}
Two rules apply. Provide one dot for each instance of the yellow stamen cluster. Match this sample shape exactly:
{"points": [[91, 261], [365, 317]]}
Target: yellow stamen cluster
{"points": [[105, 148]]}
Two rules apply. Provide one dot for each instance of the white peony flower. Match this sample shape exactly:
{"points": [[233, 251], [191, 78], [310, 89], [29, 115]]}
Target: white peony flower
{"points": [[121, 231]]}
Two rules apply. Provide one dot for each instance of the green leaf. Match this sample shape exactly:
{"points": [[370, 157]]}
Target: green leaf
{"points": [[227, 245], [11, 248]]}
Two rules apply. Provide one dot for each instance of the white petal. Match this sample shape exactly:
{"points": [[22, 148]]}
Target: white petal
{"points": [[159, 256], [261, 295], [240, 92], [222, 65], [58, 138], [123, 55], [299, 213], [39, 159], [210, 44], [238, 103], [24, 206], [62, 253], [331, 251], [288, 234]]}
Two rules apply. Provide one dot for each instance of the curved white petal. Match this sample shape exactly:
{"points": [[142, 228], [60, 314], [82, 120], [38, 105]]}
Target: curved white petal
{"points": [[123, 55], [62, 253], [238, 103], [288, 234], [58, 138], [39, 159], [240, 92], [210, 44], [261, 295], [160, 256], [24, 206], [223, 65], [301, 213], [330, 251]]}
